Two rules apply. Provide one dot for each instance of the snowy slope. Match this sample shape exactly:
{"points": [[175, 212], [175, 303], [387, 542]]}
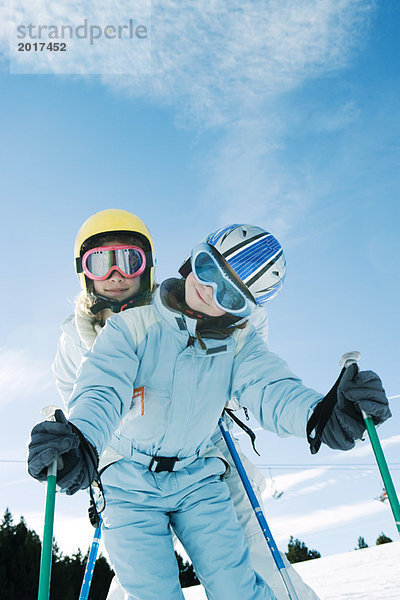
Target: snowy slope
{"points": [[368, 574]]}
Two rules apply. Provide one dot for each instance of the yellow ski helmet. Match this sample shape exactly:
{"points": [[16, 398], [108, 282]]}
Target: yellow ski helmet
{"points": [[108, 221]]}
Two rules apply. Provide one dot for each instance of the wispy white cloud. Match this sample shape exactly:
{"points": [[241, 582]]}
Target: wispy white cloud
{"points": [[317, 487], [20, 373], [226, 65], [249, 181], [215, 59], [322, 519], [338, 118], [297, 479], [364, 448], [290, 480], [223, 60]]}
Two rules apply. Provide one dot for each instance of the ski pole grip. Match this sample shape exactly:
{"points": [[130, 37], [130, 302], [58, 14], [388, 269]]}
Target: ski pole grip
{"points": [[349, 358]]}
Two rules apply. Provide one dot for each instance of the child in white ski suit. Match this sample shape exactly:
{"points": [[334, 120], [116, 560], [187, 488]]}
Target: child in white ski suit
{"points": [[79, 333], [184, 374]]}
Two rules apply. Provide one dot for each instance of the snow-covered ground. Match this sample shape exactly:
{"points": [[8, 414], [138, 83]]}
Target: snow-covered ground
{"points": [[368, 574]]}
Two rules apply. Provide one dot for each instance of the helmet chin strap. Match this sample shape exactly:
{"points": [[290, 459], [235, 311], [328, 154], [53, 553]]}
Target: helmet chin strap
{"points": [[227, 319], [172, 294], [115, 306]]}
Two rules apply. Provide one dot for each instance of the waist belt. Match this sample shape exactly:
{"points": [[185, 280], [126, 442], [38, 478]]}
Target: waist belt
{"points": [[157, 464]]}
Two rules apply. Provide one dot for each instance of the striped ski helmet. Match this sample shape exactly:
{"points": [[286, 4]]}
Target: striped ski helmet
{"points": [[255, 255]]}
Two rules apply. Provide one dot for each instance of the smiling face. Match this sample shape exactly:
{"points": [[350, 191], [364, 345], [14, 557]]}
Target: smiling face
{"points": [[199, 297], [116, 286]]}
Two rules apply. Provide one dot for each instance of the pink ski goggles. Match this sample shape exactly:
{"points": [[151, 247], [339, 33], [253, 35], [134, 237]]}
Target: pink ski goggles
{"points": [[99, 263]]}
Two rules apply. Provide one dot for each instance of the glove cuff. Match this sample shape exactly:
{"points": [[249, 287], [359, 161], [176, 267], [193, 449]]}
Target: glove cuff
{"points": [[321, 416]]}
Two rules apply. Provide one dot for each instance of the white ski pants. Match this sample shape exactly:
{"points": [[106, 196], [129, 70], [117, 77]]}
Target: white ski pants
{"points": [[260, 555], [195, 502]]}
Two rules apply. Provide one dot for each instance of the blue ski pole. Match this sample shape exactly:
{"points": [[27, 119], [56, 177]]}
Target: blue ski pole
{"points": [[87, 578], [258, 511]]}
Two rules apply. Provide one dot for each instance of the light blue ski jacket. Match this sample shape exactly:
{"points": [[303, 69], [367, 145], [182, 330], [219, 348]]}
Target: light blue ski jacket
{"points": [[180, 388], [79, 332]]}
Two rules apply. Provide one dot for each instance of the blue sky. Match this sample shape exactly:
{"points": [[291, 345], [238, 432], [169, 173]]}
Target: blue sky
{"points": [[280, 114]]}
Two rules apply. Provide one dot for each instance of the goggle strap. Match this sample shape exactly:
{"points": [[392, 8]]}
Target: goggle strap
{"points": [[149, 258], [185, 269], [78, 264]]}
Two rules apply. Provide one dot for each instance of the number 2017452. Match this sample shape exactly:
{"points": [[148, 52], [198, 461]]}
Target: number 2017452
{"points": [[41, 46]]}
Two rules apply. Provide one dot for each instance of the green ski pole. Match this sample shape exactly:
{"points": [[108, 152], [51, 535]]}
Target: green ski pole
{"points": [[346, 360], [383, 469], [47, 543]]}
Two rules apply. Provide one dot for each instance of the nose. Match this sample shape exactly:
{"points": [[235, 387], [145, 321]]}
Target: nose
{"points": [[207, 291], [116, 276]]}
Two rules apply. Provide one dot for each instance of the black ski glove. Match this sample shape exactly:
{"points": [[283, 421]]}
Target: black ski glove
{"points": [[337, 419], [77, 459]]}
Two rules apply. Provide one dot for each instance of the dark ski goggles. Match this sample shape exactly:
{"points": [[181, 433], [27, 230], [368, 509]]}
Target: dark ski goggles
{"points": [[99, 263], [229, 292]]}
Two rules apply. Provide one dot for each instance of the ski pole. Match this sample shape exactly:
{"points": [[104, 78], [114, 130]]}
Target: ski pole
{"points": [[258, 511], [346, 360], [87, 578], [47, 543]]}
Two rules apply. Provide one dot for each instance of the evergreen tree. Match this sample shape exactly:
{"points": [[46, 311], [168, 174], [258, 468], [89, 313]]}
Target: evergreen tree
{"points": [[19, 560], [383, 539], [298, 551], [187, 576], [67, 575], [20, 550], [361, 544], [102, 576]]}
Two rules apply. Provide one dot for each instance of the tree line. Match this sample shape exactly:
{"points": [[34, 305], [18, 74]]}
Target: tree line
{"points": [[20, 549], [381, 539], [298, 551]]}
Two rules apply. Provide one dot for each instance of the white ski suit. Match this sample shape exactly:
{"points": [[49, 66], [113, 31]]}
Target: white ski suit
{"points": [[181, 391]]}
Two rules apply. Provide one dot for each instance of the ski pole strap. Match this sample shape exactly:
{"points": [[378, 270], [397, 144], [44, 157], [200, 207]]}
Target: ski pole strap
{"points": [[93, 511], [243, 426], [89, 453], [321, 415]]}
